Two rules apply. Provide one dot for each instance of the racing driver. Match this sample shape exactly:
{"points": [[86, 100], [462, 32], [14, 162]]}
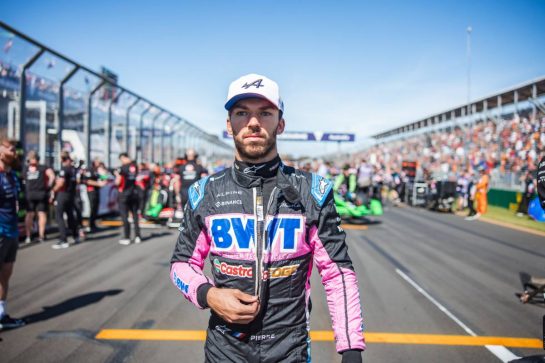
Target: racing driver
{"points": [[264, 225]]}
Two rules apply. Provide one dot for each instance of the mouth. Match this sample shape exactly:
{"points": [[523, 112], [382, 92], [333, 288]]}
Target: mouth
{"points": [[252, 137]]}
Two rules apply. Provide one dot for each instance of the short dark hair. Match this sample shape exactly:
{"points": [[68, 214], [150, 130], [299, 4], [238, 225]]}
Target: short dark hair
{"points": [[123, 155], [33, 155]]}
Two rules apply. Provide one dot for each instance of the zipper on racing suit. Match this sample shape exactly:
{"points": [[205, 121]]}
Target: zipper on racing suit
{"points": [[262, 237], [258, 230]]}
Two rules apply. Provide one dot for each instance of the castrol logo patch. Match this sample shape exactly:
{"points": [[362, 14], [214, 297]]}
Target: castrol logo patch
{"points": [[247, 272]]}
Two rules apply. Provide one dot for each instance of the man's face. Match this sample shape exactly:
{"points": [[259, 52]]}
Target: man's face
{"points": [[125, 160], [33, 161], [190, 154], [7, 153], [254, 124]]}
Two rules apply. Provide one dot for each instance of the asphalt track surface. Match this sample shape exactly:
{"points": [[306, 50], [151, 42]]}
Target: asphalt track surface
{"points": [[429, 283]]}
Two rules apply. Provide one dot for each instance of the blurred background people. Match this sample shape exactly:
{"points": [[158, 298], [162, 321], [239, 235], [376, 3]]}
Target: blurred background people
{"points": [[64, 193], [129, 198], [481, 196], [9, 234], [529, 185], [38, 180], [93, 183], [189, 172]]}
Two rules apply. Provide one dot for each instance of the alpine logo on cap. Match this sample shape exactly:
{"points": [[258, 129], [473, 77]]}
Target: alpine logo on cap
{"points": [[256, 84]]}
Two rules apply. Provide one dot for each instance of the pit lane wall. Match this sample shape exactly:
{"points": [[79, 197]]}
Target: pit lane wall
{"points": [[505, 198]]}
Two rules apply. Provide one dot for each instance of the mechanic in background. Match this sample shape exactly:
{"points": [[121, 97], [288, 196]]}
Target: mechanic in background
{"points": [[64, 193], [129, 198], [38, 180]]}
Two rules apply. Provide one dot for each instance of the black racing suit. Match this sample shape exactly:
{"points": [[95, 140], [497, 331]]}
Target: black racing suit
{"points": [[292, 217], [129, 199], [65, 203], [471, 198], [529, 192], [93, 193], [78, 201]]}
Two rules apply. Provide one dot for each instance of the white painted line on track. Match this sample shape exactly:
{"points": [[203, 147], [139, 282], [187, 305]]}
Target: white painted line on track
{"points": [[502, 353]]}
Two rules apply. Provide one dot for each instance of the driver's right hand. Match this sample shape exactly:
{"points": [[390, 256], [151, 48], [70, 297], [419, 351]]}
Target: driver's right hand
{"points": [[233, 305]]}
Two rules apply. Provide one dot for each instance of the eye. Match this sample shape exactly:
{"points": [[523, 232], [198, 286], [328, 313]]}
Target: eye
{"points": [[241, 113], [266, 113]]}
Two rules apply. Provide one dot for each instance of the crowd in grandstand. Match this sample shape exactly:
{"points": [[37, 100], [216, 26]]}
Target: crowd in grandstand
{"points": [[8, 71], [506, 145], [466, 157]]}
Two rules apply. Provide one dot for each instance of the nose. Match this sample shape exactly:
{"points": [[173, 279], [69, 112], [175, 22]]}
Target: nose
{"points": [[253, 121]]}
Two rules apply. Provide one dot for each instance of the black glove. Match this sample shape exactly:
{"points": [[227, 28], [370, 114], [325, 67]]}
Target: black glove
{"points": [[351, 356]]}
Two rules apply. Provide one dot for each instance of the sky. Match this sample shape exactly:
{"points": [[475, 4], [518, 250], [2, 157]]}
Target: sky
{"points": [[342, 66]]}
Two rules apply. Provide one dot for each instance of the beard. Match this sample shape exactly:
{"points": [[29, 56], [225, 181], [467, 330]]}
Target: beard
{"points": [[255, 150]]}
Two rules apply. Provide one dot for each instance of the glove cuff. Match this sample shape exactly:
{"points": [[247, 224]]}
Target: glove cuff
{"points": [[202, 291]]}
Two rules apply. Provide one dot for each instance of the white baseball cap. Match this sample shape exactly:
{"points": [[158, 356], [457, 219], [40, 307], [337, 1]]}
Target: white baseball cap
{"points": [[254, 85]]}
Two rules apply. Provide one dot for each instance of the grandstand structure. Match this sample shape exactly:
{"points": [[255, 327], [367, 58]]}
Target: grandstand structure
{"points": [[515, 100], [503, 133], [50, 102]]}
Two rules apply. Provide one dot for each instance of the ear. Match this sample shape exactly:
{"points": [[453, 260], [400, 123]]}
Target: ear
{"points": [[229, 127], [280, 127]]}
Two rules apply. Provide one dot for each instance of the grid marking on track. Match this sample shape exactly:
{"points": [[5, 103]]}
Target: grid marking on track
{"points": [[327, 336], [499, 350], [357, 227]]}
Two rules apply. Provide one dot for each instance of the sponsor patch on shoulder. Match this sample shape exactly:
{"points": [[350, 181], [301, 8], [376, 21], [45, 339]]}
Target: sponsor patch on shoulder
{"points": [[196, 192], [320, 188]]}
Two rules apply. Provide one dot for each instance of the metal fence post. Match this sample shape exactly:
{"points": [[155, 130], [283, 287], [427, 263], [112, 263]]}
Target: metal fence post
{"points": [[163, 139], [152, 141], [22, 98], [174, 131], [87, 125], [127, 121], [61, 110], [179, 145], [109, 129], [141, 133]]}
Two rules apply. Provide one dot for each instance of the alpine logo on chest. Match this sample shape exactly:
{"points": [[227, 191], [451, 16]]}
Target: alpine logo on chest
{"points": [[236, 232]]}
